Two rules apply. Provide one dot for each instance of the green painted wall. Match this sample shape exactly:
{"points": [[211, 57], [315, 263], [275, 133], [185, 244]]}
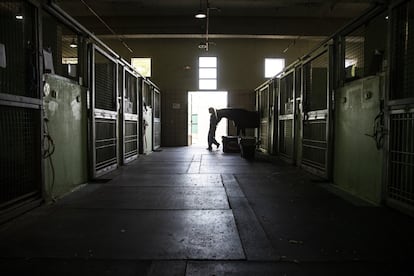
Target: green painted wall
{"points": [[357, 161], [65, 109]]}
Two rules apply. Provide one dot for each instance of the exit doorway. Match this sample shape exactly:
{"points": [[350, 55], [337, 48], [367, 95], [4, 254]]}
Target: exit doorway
{"points": [[199, 118]]}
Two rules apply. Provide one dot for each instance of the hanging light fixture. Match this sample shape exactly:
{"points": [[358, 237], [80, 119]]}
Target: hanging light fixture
{"points": [[73, 44], [201, 13], [19, 14]]}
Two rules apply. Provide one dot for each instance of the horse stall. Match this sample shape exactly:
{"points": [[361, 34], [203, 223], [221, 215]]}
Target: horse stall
{"points": [[359, 110], [128, 87], [286, 118], [20, 111], [104, 112], [264, 132], [316, 136], [400, 112]]}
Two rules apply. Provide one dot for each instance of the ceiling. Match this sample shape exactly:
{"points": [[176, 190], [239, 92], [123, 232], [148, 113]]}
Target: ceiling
{"points": [[241, 17]]}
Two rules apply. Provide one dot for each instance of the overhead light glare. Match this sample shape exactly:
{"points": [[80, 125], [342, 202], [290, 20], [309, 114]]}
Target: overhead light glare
{"points": [[200, 14], [19, 14]]}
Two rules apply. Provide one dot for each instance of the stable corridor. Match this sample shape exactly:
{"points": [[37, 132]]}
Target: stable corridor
{"points": [[188, 211]]}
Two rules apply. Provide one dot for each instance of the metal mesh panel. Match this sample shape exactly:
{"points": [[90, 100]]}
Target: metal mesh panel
{"points": [[286, 138], [264, 136], [105, 84], [57, 39], [401, 162], [264, 103], [286, 95], [157, 105], [130, 93], [146, 94], [298, 82], [314, 143], [157, 134], [18, 38], [105, 143], [316, 83], [402, 73], [264, 123], [354, 54], [19, 153], [131, 138]]}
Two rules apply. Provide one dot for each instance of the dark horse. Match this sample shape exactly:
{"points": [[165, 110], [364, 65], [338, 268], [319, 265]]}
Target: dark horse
{"points": [[242, 118]]}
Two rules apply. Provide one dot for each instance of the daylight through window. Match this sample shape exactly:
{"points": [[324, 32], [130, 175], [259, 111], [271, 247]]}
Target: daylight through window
{"points": [[207, 73], [273, 66]]}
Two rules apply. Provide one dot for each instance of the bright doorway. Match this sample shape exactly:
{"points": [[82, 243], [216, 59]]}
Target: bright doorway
{"points": [[199, 118]]}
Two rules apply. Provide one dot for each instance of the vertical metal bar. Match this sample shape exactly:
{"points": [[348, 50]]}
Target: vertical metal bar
{"points": [[39, 71], [93, 103], [394, 169], [121, 112], [411, 180], [330, 106], [398, 148]]}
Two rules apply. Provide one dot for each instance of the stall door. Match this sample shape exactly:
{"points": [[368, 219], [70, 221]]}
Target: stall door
{"points": [[400, 118], [20, 112], [156, 120], [104, 113], [272, 144], [130, 116], [263, 107], [286, 118], [274, 112], [146, 116], [315, 139]]}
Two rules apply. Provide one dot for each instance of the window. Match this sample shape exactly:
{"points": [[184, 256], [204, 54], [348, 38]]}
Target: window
{"points": [[207, 77], [273, 66], [142, 65]]}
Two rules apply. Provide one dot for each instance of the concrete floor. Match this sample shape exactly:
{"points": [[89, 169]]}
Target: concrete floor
{"points": [[188, 211]]}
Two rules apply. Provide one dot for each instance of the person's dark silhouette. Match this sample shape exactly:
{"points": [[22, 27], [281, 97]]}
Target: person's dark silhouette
{"points": [[212, 131]]}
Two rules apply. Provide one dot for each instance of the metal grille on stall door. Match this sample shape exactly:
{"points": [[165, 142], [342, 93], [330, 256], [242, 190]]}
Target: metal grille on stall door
{"points": [[104, 83], [105, 142], [402, 78], [401, 162], [19, 152]]}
